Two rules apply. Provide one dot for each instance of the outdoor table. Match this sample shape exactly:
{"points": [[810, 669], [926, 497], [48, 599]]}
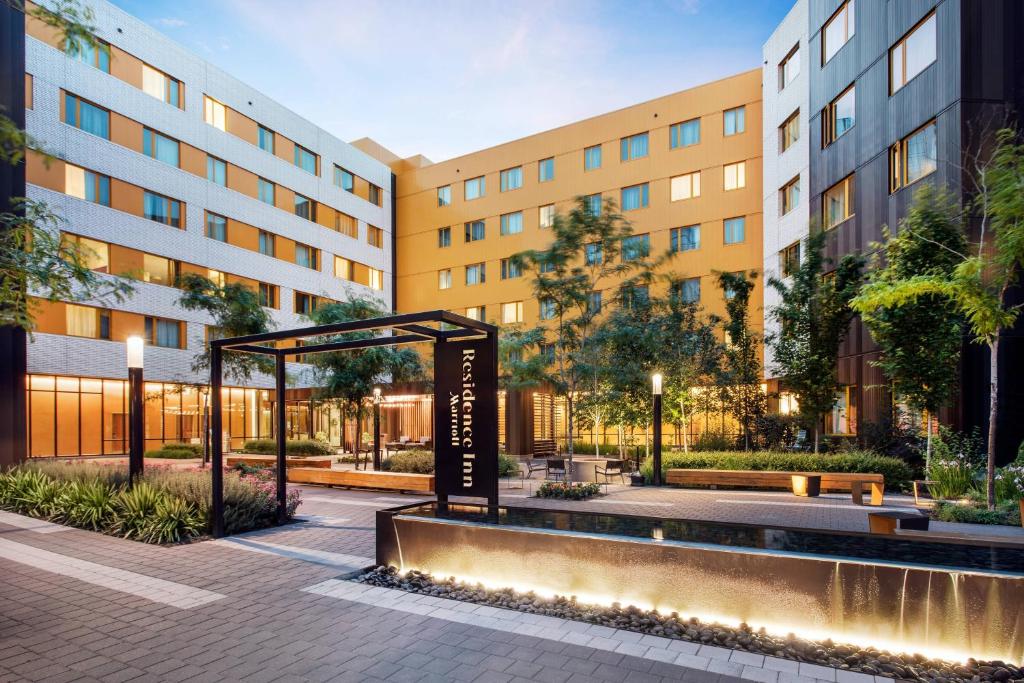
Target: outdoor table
{"points": [[584, 469]]}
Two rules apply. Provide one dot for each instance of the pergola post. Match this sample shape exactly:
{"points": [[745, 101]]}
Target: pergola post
{"points": [[282, 444], [216, 442]]}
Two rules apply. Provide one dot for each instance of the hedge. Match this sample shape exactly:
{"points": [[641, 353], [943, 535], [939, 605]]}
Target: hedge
{"points": [[422, 462], [177, 451], [293, 447], [897, 473]]}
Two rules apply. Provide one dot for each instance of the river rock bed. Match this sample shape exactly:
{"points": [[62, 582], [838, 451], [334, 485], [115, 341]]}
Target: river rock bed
{"points": [[743, 637]]}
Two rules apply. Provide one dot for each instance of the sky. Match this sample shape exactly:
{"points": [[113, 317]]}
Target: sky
{"points": [[447, 77]]}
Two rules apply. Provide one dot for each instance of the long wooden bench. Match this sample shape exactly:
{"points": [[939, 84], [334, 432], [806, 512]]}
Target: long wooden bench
{"points": [[271, 461], [392, 481], [757, 479]]}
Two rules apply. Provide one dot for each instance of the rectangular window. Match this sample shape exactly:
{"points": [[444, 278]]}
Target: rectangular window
{"points": [[343, 268], [444, 279], [838, 117], [635, 197], [913, 54], [477, 313], [837, 31], [789, 67], [92, 187], [512, 223], [217, 277], [789, 259], [94, 254], [592, 158], [789, 131], [688, 290], [512, 313], [344, 179], [160, 147], [268, 244], [735, 230], [735, 121], [686, 238], [305, 159], [214, 113], [86, 321], [474, 188], [306, 256], [842, 419], [95, 55], [593, 204], [161, 209], [684, 134], [475, 230], [546, 216], [789, 196], [633, 147], [593, 254], [546, 170], [374, 278], [685, 186], [346, 225], [511, 268], [511, 179], [265, 138], [161, 86], [444, 237], [634, 296], [374, 236], [164, 333], [635, 247], [837, 203], [444, 195], [216, 227], [86, 116], [913, 157], [305, 207], [305, 304], [158, 270], [268, 295], [735, 175], [476, 274], [374, 194], [216, 171], [267, 191], [547, 309], [594, 303]]}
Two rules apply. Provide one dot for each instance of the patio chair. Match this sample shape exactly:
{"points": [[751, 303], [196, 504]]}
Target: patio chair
{"points": [[536, 465], [556, 469], [800, 443], [611, 468]]}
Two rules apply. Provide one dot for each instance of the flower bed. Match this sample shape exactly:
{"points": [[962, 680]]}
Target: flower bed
{"points": [[567, 490]]}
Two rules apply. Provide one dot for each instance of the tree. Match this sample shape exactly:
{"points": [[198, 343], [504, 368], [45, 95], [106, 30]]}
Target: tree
{"points": [[920, 340], [742, 369], [813, 316]]}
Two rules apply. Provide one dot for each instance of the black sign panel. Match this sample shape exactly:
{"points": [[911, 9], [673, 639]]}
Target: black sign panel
{"points": [[466, 418]]}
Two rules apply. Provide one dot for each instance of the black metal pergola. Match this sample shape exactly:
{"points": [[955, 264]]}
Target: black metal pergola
{"points": [[436, 327]]}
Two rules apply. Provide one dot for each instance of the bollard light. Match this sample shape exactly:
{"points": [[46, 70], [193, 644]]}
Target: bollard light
{"points": [[656, 384], [135, 348]]}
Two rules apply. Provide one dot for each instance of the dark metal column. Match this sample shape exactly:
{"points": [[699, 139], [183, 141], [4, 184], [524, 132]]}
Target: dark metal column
{"points": [[282, 444], [136, 423], [216, 443]]}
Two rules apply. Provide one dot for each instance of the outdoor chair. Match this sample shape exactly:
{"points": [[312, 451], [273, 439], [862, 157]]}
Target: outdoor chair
{"points": [[800, 443], [556, 469], [536, 465], [611, 468]]}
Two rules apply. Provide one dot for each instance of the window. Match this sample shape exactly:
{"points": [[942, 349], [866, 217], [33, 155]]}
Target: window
{"points": [[476, 274], [92, 187], [475, 231], [837, 31], [913, 54], [735, 175], [216, 277], [214, 113], [511, 179], [305, 304], [343, 268], [838, 117], [474, 188], [86, 116], [161, 209], [546, 170], [344, 179], [477, 313], [374, 194], [635, 197], [837, 203], [633, 147], [374, 278], [735, 121], [686, 238], [162, 332], [306, 256], [305, 159], [268, 295], [216, 170], [305, 207], [684, 134], [159, 270], [266, 191], [594, 303], [789, 67], [444, 279], [444, 237], [374, 236], [94, 254], [685, 186], [96, 55], [688, 290], [346, 225], [592, 158], [160, 147], [913, 157], [546, 266], [511, 268], [634, 296], [593, 254], [789, 131], [546, 216], [512, 312], [216, 227], [593, 204], [161, 86], [512, 223], [735, 230], [842, 419], [85, 321], [635, 247], [268, 244], [789, 196], [547, 309], [265, 137], [789, 259], [444, 196]]}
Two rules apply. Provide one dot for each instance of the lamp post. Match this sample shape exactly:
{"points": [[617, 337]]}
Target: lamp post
{"points": [[134, 347], [376, 429], [656, 391]]}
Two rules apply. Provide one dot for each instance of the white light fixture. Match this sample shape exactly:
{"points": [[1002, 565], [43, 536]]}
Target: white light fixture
{"points": [[656, 384], [376, 394], [134, 346]]}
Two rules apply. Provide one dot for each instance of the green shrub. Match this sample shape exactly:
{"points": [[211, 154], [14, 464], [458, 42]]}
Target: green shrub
{"points": [[508, 465], [133, 508], [173, 521], [896, 472], [113, 473], [712, 440], [1010, 483], [196, 449], [412, 462], [293, 447], [1005, 513], [173, 454], [568, 491], [33, 493], [86, 504]]}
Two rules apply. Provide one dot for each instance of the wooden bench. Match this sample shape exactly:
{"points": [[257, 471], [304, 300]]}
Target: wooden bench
{"points": [[363, 479], [271, 461], [887, 522], [545, 448], [757, 479]]}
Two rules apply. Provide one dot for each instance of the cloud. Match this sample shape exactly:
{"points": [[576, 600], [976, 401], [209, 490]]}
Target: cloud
{"points": [[170, 22]]}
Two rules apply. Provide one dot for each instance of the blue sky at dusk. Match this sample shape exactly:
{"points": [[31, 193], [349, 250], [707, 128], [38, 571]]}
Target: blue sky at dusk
{"points": [[445, 78]]}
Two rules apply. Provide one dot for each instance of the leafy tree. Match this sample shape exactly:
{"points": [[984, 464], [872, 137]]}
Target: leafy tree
{"points": [[742, 369], [920, 340], [814, 316]]}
